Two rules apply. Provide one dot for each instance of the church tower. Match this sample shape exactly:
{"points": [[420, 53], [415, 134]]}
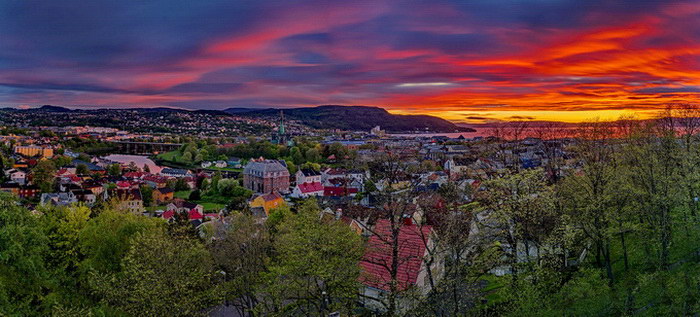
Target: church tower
{"points": [[281, 137]]}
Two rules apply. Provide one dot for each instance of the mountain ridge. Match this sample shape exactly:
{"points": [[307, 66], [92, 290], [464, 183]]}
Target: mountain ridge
{"points": [[355, 118], [350, 118]]}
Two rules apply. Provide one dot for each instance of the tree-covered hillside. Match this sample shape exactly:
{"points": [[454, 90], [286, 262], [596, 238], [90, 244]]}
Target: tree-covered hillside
{"points": [[357, 118]]}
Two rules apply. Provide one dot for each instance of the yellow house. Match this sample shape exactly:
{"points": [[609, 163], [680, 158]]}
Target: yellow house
{"points": [[268, 202], [34, 150]]}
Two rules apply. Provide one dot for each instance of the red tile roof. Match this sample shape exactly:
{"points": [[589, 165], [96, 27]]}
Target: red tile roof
{"points": [[377, 259], [134, 174], [194, 214], [123, 184], [310, 187], [335, 171], [191, 215], [156, 178], [338, 191]]}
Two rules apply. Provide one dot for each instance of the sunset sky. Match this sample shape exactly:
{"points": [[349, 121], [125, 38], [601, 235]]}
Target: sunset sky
{"points": [[466, 61]]}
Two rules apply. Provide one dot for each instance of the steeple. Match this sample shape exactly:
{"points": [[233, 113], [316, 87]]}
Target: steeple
{"points": [[281, 126]]}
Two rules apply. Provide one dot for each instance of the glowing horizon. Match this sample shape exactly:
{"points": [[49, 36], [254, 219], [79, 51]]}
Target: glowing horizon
{"points": [[482, 61]]}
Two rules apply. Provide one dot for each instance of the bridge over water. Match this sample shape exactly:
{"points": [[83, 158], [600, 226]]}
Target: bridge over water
{"points": [[144, 148]]}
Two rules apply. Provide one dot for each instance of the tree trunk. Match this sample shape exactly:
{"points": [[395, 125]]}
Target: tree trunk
{"points": [[608, 264], [624, 250]]}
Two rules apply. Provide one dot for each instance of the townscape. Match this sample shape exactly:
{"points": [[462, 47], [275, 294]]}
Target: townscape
{"points": [[528, 219], [369, 158]]}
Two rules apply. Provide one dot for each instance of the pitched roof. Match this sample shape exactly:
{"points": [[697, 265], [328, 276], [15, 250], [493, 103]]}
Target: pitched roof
{"points": [[193, 214], [166, 190], [128, 194], [272, 196], [124, 184], [335, 171], [134, 174], [309, 172], [189, 205], [265, 166], [155, 178], [310, 187], [176, 171], [378, 256]]}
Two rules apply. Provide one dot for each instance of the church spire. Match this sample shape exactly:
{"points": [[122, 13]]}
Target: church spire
{"points": [[281, 131]]}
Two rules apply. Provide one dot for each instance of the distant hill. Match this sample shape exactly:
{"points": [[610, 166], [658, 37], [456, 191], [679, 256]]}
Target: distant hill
{"points": [[49, 108], [355, 118], [352, 118]]}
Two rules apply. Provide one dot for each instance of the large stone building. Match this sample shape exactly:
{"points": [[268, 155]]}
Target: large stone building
{"points": [[266, 176]]}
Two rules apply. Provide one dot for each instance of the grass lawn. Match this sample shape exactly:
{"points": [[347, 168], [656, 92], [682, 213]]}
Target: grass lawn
{"points": [[154, 208], [183, 194], [172, 156], [207, 203], [210, 205], [226, 169]]}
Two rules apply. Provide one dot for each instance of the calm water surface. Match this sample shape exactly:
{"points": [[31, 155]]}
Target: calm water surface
{"points": [[139, 160]]}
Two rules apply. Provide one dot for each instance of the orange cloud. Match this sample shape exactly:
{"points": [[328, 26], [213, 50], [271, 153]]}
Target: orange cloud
{"points": [[598, 72]]}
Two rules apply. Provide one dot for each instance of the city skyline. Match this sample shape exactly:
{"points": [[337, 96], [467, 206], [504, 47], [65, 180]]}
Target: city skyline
{"points": [[476, 62]]}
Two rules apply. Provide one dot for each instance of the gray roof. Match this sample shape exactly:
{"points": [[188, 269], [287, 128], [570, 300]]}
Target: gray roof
{"points": [[263, 167], [174, 171]]}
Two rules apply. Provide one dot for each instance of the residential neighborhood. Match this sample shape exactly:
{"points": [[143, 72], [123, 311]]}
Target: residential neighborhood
{"points": [[371, 184]]}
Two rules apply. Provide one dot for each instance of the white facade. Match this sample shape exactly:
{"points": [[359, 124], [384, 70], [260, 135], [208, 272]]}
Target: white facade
{"points": [[16, 176]]}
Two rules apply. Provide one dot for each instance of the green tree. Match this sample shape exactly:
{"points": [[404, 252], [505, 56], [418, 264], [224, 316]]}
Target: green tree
{"points": [[186, 158], [133, 167], [105, 239], [24, 279], [291, 166], [147, 195], [82, 169], [62, 160], [181, 184], [276, 217], [311, 166], [46, 133], [161, 275], [214, 188], [296, 155], [523, 208], [44, 175], [170, 183], [242, 251], [114, 169], [651, 157], [591, 195], [315, 270], [195, 195], [84, 157], [62, 227], [312, 155]]}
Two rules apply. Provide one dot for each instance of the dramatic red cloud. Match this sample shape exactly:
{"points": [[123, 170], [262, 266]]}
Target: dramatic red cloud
{"points": [[600, 72], [466, 61]]}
